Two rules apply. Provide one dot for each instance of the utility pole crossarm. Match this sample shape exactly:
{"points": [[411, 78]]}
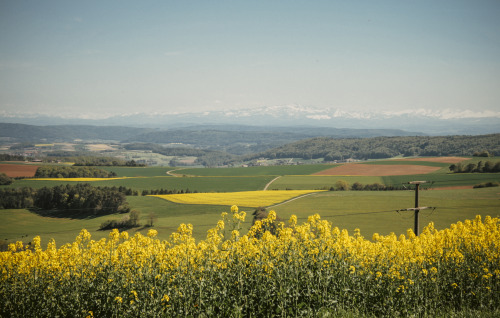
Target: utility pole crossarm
{"points": [[417, 182]]}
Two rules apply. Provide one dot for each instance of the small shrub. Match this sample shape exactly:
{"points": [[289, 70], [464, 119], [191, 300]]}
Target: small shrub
{"points": [[486, 185], [128, 221]]}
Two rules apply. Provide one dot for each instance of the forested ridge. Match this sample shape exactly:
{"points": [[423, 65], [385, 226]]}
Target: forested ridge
{"points": [[331, 149], [233, 139], [385, 147], [24, 132]]}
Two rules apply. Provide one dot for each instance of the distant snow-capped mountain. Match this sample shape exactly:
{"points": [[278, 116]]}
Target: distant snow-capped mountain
{"points": [[432, 122]]}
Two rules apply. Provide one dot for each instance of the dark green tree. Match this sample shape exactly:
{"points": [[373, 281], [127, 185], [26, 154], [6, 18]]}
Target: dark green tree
{"points": [[4, 179]]}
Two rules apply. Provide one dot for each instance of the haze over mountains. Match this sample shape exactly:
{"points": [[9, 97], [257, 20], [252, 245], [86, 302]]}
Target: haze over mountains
{"points": [[416, 121]]}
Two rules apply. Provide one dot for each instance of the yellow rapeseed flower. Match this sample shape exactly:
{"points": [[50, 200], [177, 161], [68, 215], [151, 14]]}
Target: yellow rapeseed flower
{"points": [[243, 198]]}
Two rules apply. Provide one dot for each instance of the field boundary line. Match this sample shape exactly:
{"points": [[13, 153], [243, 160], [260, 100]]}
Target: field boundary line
{"points": [[169, 172], [269, 183], [289, 200]]}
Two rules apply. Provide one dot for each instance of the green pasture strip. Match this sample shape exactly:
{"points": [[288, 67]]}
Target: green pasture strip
{"points": [[375, 211], [444, 180], [138, 171], [257, 171], [200, 184], [23, 225], [413, 163], [318, 182]]}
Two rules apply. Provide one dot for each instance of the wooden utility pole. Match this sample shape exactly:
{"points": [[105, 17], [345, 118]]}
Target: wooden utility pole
{"points": [[416, 208]]}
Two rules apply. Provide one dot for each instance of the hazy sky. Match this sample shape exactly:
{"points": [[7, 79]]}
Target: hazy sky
{"points": [[105, 57]]}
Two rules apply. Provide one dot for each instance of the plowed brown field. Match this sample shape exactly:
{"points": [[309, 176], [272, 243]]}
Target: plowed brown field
{"points": [[454, 188], [354, 169], [14, 170], [437, 159]]}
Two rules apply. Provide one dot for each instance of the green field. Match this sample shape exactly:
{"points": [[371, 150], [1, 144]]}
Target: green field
{"points": [[368, 210], [439, 180], [200, 184], [139, 171], [318, 182], [257, 171], [376, 211]]}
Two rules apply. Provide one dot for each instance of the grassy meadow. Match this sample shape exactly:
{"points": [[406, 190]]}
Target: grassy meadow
{"points": [[258, 170]]}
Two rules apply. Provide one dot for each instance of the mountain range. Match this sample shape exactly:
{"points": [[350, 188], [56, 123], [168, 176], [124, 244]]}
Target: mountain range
{"points": [[427, 122]]}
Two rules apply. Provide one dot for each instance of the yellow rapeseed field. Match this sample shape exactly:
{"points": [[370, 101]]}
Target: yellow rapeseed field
{"points": [[244, 198], [275, 270]]}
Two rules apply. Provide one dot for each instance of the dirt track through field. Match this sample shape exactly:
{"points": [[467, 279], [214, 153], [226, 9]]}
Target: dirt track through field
{"points": [[269, 183], [13, 170], [354, 169]]}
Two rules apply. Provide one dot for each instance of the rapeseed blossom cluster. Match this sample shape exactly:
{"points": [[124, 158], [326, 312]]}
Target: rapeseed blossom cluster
{"points": [[301, 270]]}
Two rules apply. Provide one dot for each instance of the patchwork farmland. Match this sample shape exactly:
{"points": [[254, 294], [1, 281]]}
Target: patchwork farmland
{"points": [[202, 222], [221, 181]]}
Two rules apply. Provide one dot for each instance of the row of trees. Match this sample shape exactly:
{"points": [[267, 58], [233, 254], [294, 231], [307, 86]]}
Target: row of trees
{"points": [[481, 167], [166, 191], [105, 161], [375, 187], [83, 196], [72, 172], [7, 157], [343, 185], [486, 185], [17, 198]]}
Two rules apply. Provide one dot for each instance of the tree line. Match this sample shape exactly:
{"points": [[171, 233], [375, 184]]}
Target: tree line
{"points": [[480, 167], [72, 172], [105, 161], [82, 196], [384, 147], [166, 191], [8, 157], [343, 185]]}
